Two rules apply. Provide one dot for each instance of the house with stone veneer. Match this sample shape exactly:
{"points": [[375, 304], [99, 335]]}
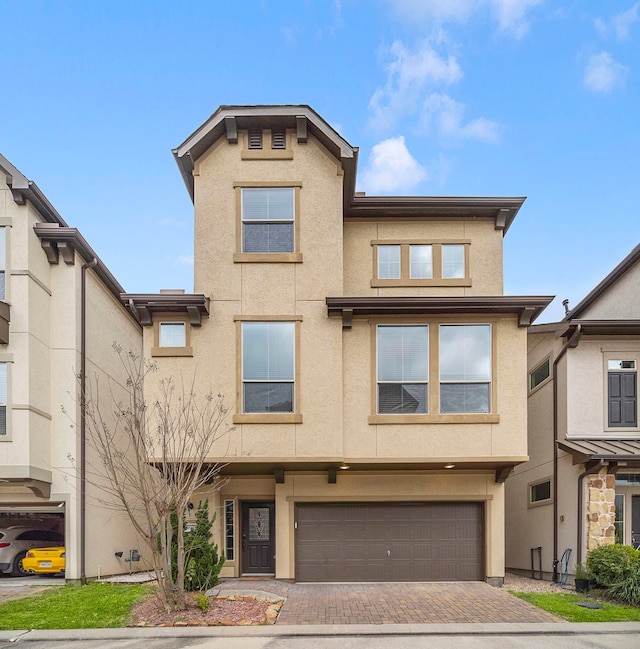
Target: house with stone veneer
{"points": [[581, 487], [60, 312], [373, 365]]}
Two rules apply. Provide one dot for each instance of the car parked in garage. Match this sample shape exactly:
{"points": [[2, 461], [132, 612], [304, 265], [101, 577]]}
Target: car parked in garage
{"points": [[45, 561], [16, 541]]}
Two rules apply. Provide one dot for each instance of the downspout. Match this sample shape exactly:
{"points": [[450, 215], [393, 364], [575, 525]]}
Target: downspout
{"points": [[83, 381], [572, 342]]}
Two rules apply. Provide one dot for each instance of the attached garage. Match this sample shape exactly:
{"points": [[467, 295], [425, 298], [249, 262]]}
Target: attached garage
{"points": [[401, 541]]}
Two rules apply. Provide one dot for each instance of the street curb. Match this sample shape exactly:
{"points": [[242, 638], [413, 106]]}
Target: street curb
{"points": [[342, 630]]}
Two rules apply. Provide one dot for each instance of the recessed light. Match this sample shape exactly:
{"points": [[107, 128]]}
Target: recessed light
{"points": [[449, 466], [344, 466]]}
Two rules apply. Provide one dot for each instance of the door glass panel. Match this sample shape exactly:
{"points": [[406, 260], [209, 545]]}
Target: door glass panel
{"points": [[259, 524], [619, 522]]}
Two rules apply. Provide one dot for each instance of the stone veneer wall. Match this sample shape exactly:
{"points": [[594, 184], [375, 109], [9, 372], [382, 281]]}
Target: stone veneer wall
{"points": [[601, 509]]}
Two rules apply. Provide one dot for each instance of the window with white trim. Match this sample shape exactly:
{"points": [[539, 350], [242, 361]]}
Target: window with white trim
{"points": [[268, 219], [402, 368], [465, 368], [3, 399], [539, 374], [172, 334], [622, 393], [268, 367]]}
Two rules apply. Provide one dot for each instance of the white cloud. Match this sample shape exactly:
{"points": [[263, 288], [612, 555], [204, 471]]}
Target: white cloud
{"points": [[391, 168], [408, 75], [620, 25], [511, 15], [183, 260], [603, 73], [446, 116]]}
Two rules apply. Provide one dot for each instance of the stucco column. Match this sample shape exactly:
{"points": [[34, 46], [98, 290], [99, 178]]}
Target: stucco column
{"points": [[284, 529]]}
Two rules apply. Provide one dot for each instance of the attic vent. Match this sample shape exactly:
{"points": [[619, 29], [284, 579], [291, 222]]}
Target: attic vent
{"points": [[255, 138], [278, 140]]}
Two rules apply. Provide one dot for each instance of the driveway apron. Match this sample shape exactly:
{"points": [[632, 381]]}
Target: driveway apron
{"points": [[393, 603]]}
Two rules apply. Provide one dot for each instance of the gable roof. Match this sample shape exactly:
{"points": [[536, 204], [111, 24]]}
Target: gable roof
{"points": [[624, 266], [227, 119]]}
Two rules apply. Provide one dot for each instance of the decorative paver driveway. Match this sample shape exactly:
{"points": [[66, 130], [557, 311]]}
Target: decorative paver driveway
{"points": [[394, 603]]}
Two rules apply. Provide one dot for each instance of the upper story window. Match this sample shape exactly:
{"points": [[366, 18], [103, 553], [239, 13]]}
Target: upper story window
{"points": [[268, 222], [420, 263], [433, 373], [3, 263], [173, 334], [465, 368], [3, 399], [402, 368], [622, 393], [171, 337], [540, 374], [268, 367], [267, 219], [540, 492]]}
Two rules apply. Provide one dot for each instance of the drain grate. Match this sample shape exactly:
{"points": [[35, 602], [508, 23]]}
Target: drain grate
{"points": [[588, 605]]}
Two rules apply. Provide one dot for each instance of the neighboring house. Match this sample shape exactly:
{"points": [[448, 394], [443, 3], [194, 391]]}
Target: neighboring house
{"points": [[374, 368], [581, 487], [60, 312]]}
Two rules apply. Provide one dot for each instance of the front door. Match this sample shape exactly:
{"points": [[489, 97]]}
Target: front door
{"points": [[258, 538]]}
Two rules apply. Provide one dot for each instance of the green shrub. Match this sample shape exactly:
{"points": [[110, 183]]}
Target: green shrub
{"points": [[203, 602], [627, 589], [611, 564]]}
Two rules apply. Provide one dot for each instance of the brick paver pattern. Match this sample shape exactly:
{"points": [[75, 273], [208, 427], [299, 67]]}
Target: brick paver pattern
{"points": [[395, 603]]}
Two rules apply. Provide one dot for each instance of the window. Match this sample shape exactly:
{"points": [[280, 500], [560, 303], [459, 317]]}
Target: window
{"points": [[3, 263], [3, 399], [268, 367], [452, 261], [229, 530], [622, 393], [540, 492], [403, 368], [268, 219], [388, 262], [465, 368], [173, 334], [539, 374], [619, 519], [420, 263]]}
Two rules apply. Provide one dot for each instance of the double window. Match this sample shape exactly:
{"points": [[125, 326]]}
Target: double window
{"points": [[403, 263], [268, 367], [464, 364], [622, 393]]}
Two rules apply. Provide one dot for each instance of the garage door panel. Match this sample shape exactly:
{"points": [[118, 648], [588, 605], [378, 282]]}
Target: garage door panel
{"points": [[389, 541]]}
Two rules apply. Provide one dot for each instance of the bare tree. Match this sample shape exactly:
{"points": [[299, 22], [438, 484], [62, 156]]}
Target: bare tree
{"points": [[154, 452]]}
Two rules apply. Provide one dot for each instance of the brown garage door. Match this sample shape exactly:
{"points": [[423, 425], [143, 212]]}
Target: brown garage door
{"points": [[389, 542]]}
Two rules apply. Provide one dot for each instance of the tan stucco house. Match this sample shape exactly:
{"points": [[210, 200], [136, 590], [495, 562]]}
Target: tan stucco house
{"points": [[60, 312], [374, 368], [581, 487]]}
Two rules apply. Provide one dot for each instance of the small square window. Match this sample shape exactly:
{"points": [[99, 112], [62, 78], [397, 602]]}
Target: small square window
{"points": [[173, 334]]}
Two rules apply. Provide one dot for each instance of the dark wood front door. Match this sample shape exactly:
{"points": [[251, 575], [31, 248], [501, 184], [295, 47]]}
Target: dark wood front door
{"points": [[258, 538]]}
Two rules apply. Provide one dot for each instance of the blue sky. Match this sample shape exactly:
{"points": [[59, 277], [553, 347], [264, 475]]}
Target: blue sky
{"points": [[536, 98]]}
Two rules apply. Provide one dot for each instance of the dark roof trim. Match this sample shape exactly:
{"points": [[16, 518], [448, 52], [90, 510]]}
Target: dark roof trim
{"points": [[589, 328], [64, 241], [626, 264], [607, 450], [144, 306], [501, 210], [227, 120], [24, 190], [527, 308]]}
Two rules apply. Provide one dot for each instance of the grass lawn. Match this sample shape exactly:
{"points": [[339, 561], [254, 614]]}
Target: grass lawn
{"points": [[96, 605], [564, 605]]}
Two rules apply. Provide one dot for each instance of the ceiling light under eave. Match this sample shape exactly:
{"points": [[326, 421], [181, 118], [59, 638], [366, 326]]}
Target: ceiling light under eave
{"points": [[449, 466], [344, 466]]}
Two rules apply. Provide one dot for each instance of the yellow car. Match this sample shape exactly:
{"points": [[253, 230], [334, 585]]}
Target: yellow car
{"points": [[45, 561]]}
